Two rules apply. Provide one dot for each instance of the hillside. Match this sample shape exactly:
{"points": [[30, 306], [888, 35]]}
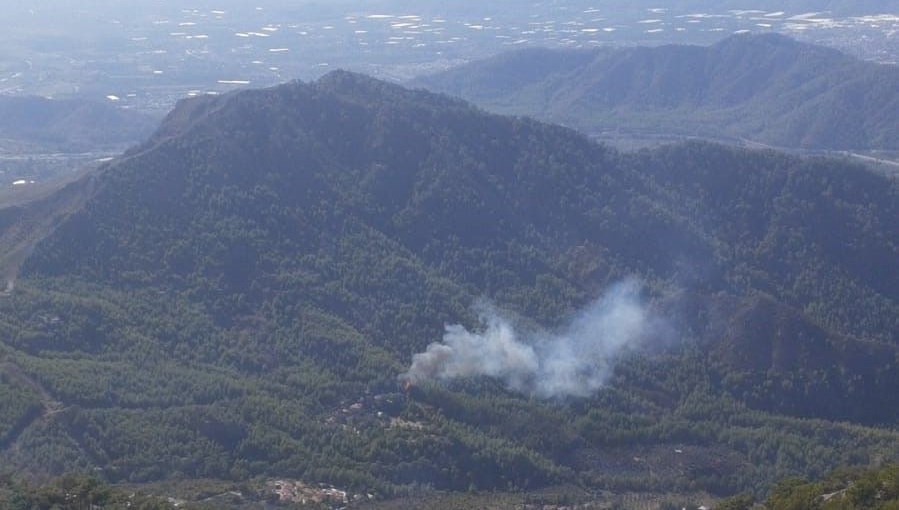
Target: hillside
{"points": [[767, 88], [876, 489], [70, 125], [237, 297]]}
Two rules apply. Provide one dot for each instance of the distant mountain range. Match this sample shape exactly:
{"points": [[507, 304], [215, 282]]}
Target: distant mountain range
{"points": [[236, 297], [70, 125], [767, 88], [824, 7]]}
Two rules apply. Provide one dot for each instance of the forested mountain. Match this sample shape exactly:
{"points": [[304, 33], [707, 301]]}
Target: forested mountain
{"points": [[236, 298], [70, 125], [767, 88], [876, 489]]}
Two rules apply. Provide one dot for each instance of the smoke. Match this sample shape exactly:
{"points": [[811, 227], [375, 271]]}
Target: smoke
{"points": [[573, 362]]}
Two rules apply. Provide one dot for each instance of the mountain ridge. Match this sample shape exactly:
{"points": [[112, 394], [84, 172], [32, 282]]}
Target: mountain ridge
{"points": [[768, 88]]}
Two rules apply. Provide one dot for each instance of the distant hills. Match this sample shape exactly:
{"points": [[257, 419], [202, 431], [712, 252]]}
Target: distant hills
{"points": [[235, 298], [838, 7], [767, 88], [70, 125]]}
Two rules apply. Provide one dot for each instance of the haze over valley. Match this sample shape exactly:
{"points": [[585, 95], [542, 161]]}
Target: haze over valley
{"points": [[147, 55]]}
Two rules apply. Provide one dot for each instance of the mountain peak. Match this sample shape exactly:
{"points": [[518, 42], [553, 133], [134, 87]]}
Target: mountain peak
{"points": [[765, 43], [773, 38], [344, 78]]}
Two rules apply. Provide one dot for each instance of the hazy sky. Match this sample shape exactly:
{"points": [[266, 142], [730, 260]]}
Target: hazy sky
{"points": [[170, 48]]}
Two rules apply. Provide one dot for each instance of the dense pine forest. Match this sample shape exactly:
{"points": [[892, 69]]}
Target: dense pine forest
{"points": [[236, 298]]}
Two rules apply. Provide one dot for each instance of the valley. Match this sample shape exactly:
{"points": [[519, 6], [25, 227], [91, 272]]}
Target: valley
{"points": [[148, 57]]}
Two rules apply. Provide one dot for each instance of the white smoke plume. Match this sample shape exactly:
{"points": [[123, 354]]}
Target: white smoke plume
{"points": [[573, 362]]}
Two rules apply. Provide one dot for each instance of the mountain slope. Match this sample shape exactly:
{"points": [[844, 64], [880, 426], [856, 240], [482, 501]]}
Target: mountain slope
{"points": [[767, 88], [237, 296], [70, 125]]}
